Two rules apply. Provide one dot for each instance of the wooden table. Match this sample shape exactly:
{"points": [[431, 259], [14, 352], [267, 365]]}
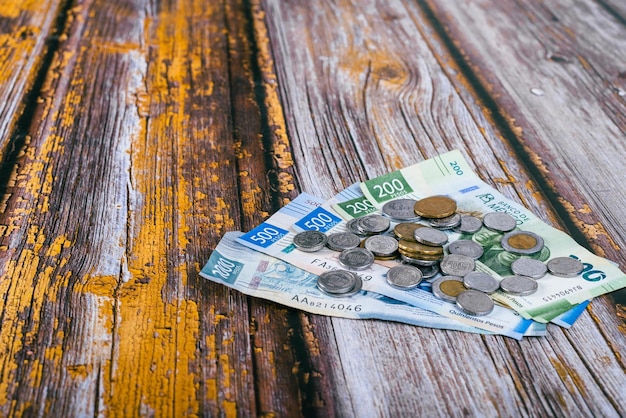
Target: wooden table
{"points": [[134, 134]]}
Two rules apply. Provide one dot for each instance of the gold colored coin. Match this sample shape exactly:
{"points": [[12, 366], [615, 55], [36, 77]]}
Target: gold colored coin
{"points": [[452, 288], [436, 207], [405, 230], [522, 241], [386, 257], [418, 248], [424, 257]]}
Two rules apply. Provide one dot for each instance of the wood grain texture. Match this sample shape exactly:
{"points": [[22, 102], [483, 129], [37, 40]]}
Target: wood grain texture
{"points": [[372, 87], [25, 31], [162, 125], [615, 7], [575, 129], [573, 133], [137, 164]]}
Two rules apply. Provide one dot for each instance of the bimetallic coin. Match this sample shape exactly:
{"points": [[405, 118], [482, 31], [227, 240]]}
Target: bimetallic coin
{"points": [[466, 247], [435, 207], [356, 258], [448, 222], [373, 224], [456, 265], [310, 241], [475, 303], [340, 241], [430, 236], [448, 288], [518, 285], [381, 245], [522, 242], [404, 277], [483, 282], [565, 267], [469, 224], [336, 281], [406, 230], [529, 267], [499, 221], [400, 209]]}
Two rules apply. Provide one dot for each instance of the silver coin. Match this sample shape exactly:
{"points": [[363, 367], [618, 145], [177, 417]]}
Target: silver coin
{"points": [[430, 236], [356, 258], [522, 242], [428, 272], [381, 245], [404, 277], [373, 224], [340, 241], [518, 285], [336, 281], [565, 267], [529, 267], [448, 222], [483, 282], [475, 303], [400, 209], [456, 265], [499, 221], [466, 247], [353, 226], [447, 288], [419, 262], [356, 289], [310, 241], [469, 224]]}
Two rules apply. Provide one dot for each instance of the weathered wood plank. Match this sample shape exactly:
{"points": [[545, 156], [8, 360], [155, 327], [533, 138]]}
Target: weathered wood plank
{"points": [[25, 28], [157, 132], [615, 7], [574, 132], [137, 164], [264, 184], [366, 90], [575, 127]]}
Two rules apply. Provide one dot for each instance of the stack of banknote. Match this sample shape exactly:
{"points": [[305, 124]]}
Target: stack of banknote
{"points": [[266, 263]]}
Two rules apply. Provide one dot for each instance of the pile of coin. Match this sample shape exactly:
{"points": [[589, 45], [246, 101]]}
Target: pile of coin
{"points": [[423, 245], [420, 242]]}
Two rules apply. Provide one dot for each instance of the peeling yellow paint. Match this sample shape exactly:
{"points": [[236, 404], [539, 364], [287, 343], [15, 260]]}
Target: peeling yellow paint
{"points": [[79, 371], [285, 182], [567, 373], [211, 389], [152, 316], [99, 285], [229, 408], [199, 195], [57, 246], [309, 336], [17, 296], [594, 231], [276, 118]]}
